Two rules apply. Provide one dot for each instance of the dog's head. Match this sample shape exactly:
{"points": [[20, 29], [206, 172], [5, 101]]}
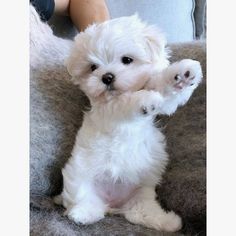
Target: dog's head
{"points": [[116, 56]]}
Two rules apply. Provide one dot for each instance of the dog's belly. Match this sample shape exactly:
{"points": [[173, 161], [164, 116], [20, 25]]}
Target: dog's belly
{"points": [[115, 194]]}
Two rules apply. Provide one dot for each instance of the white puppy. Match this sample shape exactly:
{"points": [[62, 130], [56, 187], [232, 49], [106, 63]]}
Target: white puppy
{"points": [[119, 155]]}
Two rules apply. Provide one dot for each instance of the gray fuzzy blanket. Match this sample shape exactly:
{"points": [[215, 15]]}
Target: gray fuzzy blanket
{"points": [[56, 113]]}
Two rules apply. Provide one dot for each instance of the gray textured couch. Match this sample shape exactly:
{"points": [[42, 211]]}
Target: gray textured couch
{"points": [[56, 113]]}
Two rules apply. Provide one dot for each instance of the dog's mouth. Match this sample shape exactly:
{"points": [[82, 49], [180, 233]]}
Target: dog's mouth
{"points": [[110, 87], [109, 92]]}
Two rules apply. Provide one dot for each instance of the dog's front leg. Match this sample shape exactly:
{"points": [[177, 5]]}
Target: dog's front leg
{"points": [[145, 210], [176, 83], [140, 104]]}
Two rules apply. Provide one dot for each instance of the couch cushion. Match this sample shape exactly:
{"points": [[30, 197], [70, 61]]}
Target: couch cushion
{"points": [[175, 18], [56, 113], [46, 219]]}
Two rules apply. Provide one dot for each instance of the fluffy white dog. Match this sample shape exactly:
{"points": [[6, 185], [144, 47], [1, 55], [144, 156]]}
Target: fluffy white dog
{"points": [[119, 155]]}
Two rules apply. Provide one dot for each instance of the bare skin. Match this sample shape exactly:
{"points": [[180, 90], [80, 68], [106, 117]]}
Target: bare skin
{"points": [[83, 12]]}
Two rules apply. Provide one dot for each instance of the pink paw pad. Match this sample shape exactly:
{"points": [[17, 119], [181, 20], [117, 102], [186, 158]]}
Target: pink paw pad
{"points": [[184, 81]]}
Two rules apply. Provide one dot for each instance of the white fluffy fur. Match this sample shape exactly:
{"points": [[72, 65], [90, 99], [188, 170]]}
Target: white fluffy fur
{"points": [[119, 156]]}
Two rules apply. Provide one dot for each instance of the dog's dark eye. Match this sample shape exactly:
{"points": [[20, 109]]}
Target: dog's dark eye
{"points": [[93, 67], [126, 60]]}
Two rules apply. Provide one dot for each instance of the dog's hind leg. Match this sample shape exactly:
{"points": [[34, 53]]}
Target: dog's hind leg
{"points": [[145, 210], [86, 207], [79, 195]]}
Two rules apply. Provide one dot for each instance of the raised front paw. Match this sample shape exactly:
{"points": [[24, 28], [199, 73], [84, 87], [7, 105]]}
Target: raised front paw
{"points": [[149, 102], [185, 73]]}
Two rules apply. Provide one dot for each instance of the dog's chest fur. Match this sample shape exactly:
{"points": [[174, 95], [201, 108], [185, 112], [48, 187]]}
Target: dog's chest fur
{"points": [[119, 155]]}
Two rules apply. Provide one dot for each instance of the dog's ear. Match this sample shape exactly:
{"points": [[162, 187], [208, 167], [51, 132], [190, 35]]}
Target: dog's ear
{"points": [[155, 42], [76, 63], [73, 68], [72, 63]]}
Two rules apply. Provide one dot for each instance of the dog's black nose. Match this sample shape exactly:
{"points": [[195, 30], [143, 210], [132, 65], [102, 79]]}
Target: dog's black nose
{"points": [[108, 78]]}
